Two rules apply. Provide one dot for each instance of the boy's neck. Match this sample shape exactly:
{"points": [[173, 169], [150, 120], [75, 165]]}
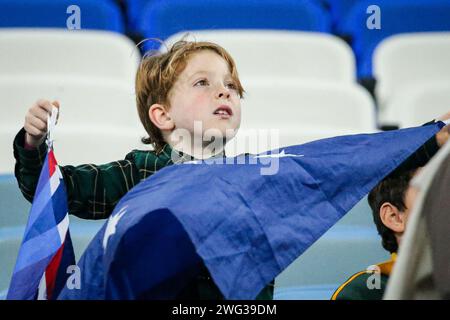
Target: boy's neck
{"points": [[199, 152]]}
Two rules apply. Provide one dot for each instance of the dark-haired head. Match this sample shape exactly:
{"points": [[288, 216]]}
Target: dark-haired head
{"points": [[391, 201]]}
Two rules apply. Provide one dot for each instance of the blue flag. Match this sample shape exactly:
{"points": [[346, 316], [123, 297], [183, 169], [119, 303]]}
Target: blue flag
{"points": [[244, 226], [46, 250]]}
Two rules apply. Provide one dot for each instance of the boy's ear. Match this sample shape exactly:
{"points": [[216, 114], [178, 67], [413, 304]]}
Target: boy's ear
{"points": [[160, 117], [392, 218]]}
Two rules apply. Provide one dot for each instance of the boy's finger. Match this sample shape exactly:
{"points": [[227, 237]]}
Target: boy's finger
{"points": [[45, 105], [39, 113], [38, 124], [445, 116], [56, 103], [32, 131]]}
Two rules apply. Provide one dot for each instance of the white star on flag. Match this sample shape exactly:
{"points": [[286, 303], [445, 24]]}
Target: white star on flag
{"points": [[111, 226], [279, 155]]}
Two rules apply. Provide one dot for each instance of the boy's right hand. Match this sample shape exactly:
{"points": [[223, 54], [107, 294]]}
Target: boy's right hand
{"points": [[36, 121]]}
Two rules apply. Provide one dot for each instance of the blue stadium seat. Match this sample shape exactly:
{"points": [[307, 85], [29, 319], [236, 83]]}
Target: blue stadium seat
{"points": [[164, 18], [133, 9], [339, 8], [400, 16], [94, 14]]}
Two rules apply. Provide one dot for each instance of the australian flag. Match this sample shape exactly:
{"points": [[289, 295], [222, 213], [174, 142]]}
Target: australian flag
{"points": [[46, 250], [245, 227]]}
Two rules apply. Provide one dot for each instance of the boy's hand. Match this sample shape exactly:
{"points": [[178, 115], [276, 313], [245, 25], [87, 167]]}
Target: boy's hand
{"points": [[443, 135], [36, 121]]}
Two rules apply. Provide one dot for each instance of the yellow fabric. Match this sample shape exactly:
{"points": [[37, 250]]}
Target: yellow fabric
{"points": [[385, 268]]}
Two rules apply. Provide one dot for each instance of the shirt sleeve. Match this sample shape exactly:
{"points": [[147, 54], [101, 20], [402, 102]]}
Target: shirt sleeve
{"points": [[93, 190]]}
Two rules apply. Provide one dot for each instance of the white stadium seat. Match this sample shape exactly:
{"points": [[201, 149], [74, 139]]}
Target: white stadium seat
{"points": [[98, 121], [83, 100], [301, 112], [418, 104], [59, 52], [407, 60], [91, 74], [75, 145], [279, 56]]}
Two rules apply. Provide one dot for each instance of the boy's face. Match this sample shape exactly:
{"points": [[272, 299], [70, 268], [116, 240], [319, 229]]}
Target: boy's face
{"points": [[205, 92]]}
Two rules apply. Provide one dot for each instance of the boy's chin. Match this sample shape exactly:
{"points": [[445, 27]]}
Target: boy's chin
{"points": [[225, 133]]}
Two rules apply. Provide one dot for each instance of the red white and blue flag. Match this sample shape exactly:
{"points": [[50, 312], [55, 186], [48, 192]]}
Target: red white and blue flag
{"points": [[46, 251]]}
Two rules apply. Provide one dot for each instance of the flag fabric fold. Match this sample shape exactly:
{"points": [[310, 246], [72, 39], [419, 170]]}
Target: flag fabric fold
{"points": [[246, 228], [46, 250]]}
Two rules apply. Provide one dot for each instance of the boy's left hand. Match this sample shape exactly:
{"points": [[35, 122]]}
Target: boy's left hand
{"points": [[443, 135]]}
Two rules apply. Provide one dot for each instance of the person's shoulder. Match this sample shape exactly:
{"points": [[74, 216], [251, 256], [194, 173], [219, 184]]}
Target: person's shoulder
{"points": [[364, 285], [138, 156], [149, 159]]}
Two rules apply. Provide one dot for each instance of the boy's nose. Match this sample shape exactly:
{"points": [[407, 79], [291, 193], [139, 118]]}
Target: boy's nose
{"points": [[223, 93]]}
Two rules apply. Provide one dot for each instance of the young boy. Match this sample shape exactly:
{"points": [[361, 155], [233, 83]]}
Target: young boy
{"points": [[192, 83], [391, 202]]}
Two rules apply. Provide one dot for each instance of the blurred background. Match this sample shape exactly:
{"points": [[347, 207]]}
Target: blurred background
{"points": [[311, 68]]}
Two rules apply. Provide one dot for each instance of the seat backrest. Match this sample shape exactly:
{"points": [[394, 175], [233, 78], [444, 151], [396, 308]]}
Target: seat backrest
{"points": [[285, 55], [280, 115], [83, 101], [62, 53], [339, 9], [417, 104], [164, 18], [94, 14], [307, 104], [400, 16], [98, 121], [410, 59], [133, 9]]}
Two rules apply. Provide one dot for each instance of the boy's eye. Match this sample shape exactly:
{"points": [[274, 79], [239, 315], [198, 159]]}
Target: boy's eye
{"points": [[232, 86], [201, 83]]}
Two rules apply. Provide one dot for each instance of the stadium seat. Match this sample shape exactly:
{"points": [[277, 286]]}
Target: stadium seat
{"points": [[418, 104], [339, 9], [84, 101], [329, 262], [282, 55], [62, 53], [98, 122], [407, 60], [164, 18], [300, 104], [94, 14], [400, 16], [300, 112], [75, 145], [133, 10]]}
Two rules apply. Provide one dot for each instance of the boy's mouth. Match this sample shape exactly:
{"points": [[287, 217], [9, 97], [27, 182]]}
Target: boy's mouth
{"points": [[224, 111]]}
